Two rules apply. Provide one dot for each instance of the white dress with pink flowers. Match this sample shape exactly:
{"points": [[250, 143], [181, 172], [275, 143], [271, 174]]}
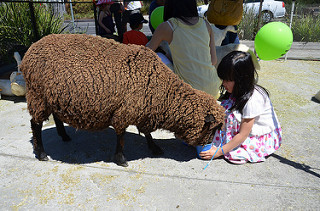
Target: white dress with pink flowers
{"points": [[265, 136]]}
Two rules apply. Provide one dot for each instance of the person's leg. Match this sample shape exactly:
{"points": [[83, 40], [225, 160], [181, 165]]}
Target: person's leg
{"points": [[125, 19], [116, 10], [226, 40], [231, 37], [237, 40]]}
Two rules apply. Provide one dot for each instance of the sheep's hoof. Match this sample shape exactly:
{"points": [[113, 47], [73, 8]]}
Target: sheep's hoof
{"points": [[42, 156], [120, 160]]}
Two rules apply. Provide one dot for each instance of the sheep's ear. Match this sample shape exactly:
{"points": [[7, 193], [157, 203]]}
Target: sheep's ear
{"points": [[209, 118]]}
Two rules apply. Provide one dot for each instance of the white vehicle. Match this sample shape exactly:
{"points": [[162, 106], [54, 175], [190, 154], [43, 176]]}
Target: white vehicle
{"points": [[270, 9]]}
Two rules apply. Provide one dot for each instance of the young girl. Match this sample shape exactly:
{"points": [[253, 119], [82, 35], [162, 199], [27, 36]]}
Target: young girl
{"points": [[106, 25], [252, 131]]}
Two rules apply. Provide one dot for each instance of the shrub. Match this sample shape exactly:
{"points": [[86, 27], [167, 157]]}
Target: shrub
{"points": [[145, 7], [249, 21], [16, 30], [306, 29], [80, 10]]}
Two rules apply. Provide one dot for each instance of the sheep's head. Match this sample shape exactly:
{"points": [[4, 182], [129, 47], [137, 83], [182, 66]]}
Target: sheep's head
{"points": [[202, 131], [210, 127]]}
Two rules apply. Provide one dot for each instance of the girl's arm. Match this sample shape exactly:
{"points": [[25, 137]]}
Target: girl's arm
{"points": [[101, 16], [162, 32], [212, 45], [245, 129]]}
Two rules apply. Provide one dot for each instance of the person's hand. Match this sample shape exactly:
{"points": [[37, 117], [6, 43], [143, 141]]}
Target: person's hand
{"points": [[207, 155]]}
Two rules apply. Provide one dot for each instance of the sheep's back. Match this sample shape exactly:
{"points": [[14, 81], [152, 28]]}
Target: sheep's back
{"points": [[84, 79]]}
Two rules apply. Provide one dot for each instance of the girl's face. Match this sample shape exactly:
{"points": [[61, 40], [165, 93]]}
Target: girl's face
{"points": [[228, 85]]}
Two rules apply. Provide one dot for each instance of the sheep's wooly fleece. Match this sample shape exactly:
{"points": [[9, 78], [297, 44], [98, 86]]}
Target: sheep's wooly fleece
{"points": [[92, 82]]}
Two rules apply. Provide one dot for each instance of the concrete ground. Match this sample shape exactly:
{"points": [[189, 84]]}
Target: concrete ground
{"points": [[81, 175]]}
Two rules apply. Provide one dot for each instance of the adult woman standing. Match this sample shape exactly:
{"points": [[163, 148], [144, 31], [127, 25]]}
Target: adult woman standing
{"points": [[191, 42]]}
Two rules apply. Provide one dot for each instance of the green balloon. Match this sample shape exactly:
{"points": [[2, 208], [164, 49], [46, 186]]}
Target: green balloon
{"points": [[156, 17], [273, 40]]}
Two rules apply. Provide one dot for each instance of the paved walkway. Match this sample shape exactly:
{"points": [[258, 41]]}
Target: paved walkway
{"points": [[81, 174]]}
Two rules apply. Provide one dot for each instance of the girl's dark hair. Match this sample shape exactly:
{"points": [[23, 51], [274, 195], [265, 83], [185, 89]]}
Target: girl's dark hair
{"points": [[238, 66], [180, 9]]}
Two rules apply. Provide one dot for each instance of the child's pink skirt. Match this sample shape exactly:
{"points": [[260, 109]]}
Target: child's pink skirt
{"points": [[254, 148]]}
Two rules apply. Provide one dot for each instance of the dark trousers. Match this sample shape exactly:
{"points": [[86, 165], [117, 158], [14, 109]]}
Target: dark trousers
{"points": [[231, 37], [115, 9]]}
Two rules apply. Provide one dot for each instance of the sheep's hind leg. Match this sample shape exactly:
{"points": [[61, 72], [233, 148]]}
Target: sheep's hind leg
{"points": [[60, 129], [37, 141], [156, 150], [119, 156]]}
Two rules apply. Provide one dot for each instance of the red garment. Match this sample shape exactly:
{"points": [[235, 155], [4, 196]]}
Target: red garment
{"points": [[135, 37]]}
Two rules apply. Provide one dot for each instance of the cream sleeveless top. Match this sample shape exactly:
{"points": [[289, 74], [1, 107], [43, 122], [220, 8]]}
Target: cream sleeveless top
{"points": [[191, 55]]}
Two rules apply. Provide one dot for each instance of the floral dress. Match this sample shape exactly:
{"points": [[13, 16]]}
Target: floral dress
{"points": [[255, 148]]}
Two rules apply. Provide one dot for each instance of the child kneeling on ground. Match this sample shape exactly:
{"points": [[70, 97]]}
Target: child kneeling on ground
{"points": [[252, 131]]}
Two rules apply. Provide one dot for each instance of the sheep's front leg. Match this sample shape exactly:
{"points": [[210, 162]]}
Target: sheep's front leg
{"points": [[156, 150], [60, 129], [119, 156], [37, 141]]}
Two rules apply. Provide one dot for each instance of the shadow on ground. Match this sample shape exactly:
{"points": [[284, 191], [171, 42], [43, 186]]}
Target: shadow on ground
{"points": [[300, 166], [15, 99], [88, 147], [313, 99]]}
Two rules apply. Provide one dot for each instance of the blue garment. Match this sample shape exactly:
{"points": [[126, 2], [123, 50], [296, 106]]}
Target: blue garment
{"points": [[231, 37]]}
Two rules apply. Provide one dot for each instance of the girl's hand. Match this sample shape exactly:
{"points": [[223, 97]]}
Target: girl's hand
{"points": [[108, 30], [245, 128], [207, 155]]}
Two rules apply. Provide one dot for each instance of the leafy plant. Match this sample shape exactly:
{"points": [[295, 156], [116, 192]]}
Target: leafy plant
{"points": [[145, 8], [82, 6], [306, 29], [16, 28], [82, 9], [247, 26]]}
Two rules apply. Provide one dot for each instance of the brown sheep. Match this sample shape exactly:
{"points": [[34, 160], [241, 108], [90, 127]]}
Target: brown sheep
{"points": [[92, 83]]}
